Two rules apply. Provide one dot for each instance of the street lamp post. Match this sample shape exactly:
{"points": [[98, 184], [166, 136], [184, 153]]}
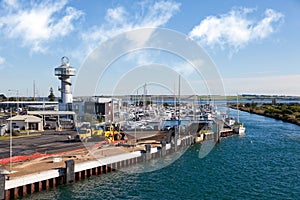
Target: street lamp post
{"points": [[11, 129], [10, 142]]}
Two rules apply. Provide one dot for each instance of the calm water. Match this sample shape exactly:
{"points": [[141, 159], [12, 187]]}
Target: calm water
{"points": [[264, 164]]}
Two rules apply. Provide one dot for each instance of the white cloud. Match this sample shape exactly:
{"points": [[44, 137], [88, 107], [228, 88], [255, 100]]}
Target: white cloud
{"points": [[119, 20], [234, 30], [160, 13], [265, 26], [9, 4], [186, 68], [116, 16], [38, 23], [140, 58]]}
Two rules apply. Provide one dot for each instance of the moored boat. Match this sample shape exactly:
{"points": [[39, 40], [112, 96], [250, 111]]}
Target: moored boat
{"points": [[238, 127]]}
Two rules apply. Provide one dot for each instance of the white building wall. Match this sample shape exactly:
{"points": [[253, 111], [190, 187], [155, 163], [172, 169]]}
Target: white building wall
{"points": [[16, 123]]}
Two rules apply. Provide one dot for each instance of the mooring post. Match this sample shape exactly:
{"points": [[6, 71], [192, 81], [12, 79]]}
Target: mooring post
{"points": [[2, 186], [69, 176], [175, 139], [163, 148], [148, 151], [217, 134]]}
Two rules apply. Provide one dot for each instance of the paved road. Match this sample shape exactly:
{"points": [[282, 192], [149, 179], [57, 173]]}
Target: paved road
{"points": [[53, 142], [49, 142]]}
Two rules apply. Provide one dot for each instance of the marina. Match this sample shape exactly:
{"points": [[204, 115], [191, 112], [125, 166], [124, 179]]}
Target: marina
{"points": [[165, 138], [141, 134], [228, 157], [149, 99], [59, 144], [97, 135], [86, 138]]}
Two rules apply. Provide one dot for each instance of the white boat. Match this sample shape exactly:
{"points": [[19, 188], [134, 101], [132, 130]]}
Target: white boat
{"points": [[208, 116], [229, 121], [238, 127]]}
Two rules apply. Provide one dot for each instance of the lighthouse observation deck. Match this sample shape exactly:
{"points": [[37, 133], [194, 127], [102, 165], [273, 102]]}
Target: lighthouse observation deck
{"points": [[65, 69]]}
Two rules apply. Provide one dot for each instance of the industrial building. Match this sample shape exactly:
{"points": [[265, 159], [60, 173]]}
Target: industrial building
{"points": [[25, 122]]}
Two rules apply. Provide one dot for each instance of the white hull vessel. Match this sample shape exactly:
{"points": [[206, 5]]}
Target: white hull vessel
{"points": [[239, 128]]}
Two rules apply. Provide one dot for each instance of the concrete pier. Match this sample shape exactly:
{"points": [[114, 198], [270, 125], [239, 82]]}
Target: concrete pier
{"points": [[28, 184]]}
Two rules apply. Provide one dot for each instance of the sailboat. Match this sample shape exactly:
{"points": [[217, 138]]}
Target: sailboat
{"points": [[238, 127]]}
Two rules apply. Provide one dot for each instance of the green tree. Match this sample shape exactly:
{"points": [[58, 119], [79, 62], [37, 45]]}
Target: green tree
{"points": [[12, 99], [51, 96], [125, 104], [3, 97], [148, 102], [165, 104]]}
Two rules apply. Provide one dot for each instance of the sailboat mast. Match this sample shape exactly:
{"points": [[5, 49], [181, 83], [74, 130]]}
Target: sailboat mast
{"points": [[179, 88], [174, 98], [144, 99], [228, 108], [237, 107]]}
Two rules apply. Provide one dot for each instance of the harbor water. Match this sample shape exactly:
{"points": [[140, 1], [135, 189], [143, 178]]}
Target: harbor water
{"points": [[263, 164]]}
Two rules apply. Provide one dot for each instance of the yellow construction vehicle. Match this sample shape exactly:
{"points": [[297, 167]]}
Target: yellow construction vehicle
{"points": [[83, 134], [97, 131], [108, 132], [113, 133]]}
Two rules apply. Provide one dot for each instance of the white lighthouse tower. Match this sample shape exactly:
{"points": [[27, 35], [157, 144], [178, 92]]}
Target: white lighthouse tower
{"points": [[64, 72]]}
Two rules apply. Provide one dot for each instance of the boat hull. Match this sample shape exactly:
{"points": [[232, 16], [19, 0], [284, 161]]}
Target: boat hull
{"points": [[239, 130]]}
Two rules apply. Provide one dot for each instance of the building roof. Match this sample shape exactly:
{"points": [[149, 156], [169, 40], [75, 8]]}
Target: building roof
{"points": [[104, 100], [50, 112], [25, 118], [31, 102]]}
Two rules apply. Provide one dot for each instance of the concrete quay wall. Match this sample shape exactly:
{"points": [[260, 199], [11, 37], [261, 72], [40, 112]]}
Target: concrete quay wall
{"points": [[28, 184]]}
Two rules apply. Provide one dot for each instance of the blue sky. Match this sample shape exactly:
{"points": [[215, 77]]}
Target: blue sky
{"points": [[254, 44]]}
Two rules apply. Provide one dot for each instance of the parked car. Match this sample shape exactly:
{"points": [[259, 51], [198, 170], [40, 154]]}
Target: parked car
{"points": [[47, 127]]}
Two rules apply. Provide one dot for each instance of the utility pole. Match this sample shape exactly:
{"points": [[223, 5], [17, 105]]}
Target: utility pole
{"points": [[33, 90], [17, 93]]}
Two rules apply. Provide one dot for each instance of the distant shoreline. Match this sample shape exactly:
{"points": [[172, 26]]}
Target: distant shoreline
{"points": [[285, 113]]}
